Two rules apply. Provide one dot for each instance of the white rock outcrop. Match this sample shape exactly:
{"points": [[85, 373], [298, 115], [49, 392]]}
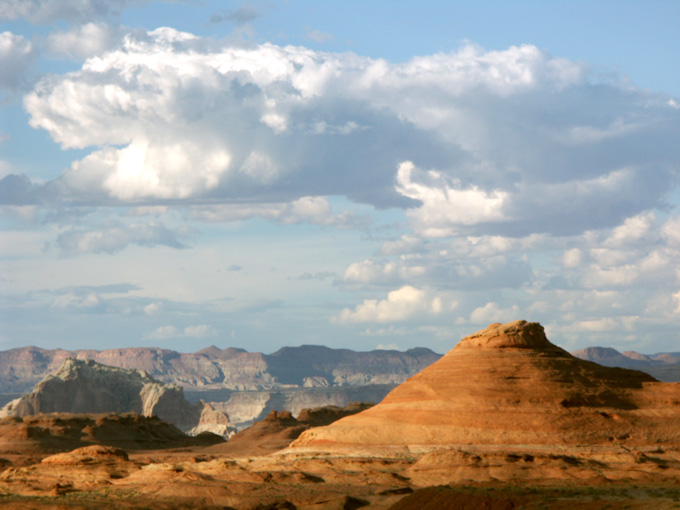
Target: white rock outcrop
{"points": [[85, 386]]}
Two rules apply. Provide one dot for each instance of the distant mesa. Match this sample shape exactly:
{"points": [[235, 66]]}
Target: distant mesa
{"points": [[233, 369], [509, 385], [663, 366], [85, 386]]}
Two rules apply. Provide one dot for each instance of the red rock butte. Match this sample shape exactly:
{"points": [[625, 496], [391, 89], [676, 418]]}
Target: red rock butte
{"points": [[509, 385]]}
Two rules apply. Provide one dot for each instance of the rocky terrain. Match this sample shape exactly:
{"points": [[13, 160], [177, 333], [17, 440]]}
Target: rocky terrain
{"points": [[248, 386], [279, 428], [85, 386], [307, 366], [245, 386], [505, 420], [246, 407], [508, 385], [663, 366], [35, 436]]}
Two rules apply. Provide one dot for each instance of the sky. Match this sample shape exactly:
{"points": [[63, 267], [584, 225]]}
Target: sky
{"points": [[361, 175]]}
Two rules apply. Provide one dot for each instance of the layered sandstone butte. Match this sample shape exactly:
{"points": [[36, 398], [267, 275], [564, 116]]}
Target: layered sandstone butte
{"points": [[84, 386], [508, 385]]}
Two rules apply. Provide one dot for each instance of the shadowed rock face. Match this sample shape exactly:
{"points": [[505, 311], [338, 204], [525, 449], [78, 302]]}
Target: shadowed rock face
{"points": [[80, 386], [55, 432], [509, 385]]}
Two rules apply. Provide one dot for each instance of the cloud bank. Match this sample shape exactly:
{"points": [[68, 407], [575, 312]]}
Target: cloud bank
{"points": [[473, 141]]}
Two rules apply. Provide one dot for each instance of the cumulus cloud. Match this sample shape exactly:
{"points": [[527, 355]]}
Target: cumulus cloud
{"points": [[17, 56], [492, 312], [400, 305], [478, 142], [84, 41], [445, 203], [463, 262], [115, 236]]}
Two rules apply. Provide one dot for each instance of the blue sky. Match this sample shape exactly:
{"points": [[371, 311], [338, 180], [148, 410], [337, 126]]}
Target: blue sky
{"points": [[361, 175]]}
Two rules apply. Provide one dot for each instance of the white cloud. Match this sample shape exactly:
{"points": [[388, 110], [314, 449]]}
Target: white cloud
{"points": [[152, 308], [199, 331], [572, 258], [168, 332], [371, 272], [84, 41], [116, 236], [169, 115], [492, 313], [607, 324], [671, 231], [164, 333], [74, 301], [400, 305], [17, 56], [316, 210], [639, 228], [447, 205]]}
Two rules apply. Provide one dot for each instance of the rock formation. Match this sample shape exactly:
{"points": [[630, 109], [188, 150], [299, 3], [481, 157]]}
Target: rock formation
{"points": [[246, 386], [244, 408], [508, 385], [55, 432], [84, 386], [279, 428], [231, 369], [663, 366]]}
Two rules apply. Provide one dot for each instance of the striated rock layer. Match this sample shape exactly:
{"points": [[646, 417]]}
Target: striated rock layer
{"points": [[80, 386], [508, 385]]}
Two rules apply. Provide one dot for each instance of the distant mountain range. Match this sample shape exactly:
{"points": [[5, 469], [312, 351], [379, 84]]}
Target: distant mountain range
{"points": [[309, 366], [245, 385], [85, 386], [664, 366], [249, 385]]}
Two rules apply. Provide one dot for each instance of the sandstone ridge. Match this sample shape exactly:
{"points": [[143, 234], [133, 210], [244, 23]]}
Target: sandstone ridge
{"points": [[508, 385]]}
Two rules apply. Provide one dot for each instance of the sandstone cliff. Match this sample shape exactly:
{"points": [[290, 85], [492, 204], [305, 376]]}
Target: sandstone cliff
{"points": [[233, 369], [247, 407], [85, 386], [508, 385]]}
